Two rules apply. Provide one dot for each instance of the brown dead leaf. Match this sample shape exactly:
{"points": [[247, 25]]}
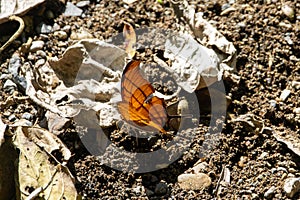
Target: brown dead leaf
{"points": [[40, 173]]}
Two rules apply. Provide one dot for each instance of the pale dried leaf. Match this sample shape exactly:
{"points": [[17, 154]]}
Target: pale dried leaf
{"points": [[191, 62], [16, 7], [38, 168], [209, 37], [130, 40], [88, 74]]}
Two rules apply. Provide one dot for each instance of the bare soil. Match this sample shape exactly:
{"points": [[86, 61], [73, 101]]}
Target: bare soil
{"points": [[268, 60]]}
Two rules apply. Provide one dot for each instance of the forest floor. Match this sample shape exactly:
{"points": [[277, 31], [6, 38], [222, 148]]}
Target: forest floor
{"points": [[268, 64]]}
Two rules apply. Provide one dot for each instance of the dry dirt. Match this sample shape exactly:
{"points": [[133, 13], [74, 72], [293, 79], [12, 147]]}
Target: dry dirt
{"points": [[268, 60]]}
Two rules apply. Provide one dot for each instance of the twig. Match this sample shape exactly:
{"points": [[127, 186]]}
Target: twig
{"points": [[16, 34]]}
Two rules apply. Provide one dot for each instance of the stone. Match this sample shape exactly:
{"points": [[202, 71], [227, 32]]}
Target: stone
{"points": [[200, 167], [72, 10], [81, 34], [296, 84], [161, 188], [14, 65], [41, 53], [61, 35], [270, 192], [194, 181], [284, 94], [12, 118], [37, 45], [288, 11], [9, 86], [82, 4], [27, 116], [291, 186], [296, 111], [5, 76], [139, 189], [273, 103], [66, 28], [44, 28]]}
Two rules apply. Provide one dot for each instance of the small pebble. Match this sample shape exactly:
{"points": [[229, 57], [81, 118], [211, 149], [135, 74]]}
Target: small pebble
{"points": [[241, 24], [288, 40], [273, 103], [296, 84], [12, 118], [82, 4], [161, 188], [66, 28], [284, 94], [61, 35], [44, 28], [288, 11], [41, 53], [200, 167], [56, 27], [139, 189], [282, 169], [37, 45], [270, 192], [291, 186], [285, 25], [254, 196], [129, 1], [225, 6], [82, 34], [194, 181], [40, 62], [72, 10], [31, 57], [27, 116], [9, 86], [292, 170], [14, 65], [296, 111], [5, 76], [240, 181]]}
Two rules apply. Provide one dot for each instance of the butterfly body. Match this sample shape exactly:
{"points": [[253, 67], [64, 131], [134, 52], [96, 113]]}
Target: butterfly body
{"points": [[139, 106]]}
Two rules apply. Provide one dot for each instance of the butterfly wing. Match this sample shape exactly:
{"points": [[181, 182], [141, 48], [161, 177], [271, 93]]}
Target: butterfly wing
{"points": [[139, 107]]}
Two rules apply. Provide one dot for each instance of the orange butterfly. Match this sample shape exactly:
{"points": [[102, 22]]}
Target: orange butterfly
{"points": [[139, 106]]}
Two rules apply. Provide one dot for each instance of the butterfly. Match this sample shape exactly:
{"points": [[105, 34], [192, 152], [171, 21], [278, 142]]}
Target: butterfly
{"points": [[139, 106]]}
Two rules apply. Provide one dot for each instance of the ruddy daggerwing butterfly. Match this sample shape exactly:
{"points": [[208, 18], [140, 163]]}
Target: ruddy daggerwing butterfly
{"points": [[139, 106]]}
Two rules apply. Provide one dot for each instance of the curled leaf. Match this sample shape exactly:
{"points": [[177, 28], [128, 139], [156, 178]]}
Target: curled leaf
{"points": [[130, 39]]}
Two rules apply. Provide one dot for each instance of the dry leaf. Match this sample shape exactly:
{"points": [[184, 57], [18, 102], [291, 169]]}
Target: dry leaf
{"points": [[210, 37], [40, 173], [130, 40], [16, 7]]}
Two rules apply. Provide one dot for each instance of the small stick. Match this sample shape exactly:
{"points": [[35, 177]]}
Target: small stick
{"points": [[16, 34]]}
